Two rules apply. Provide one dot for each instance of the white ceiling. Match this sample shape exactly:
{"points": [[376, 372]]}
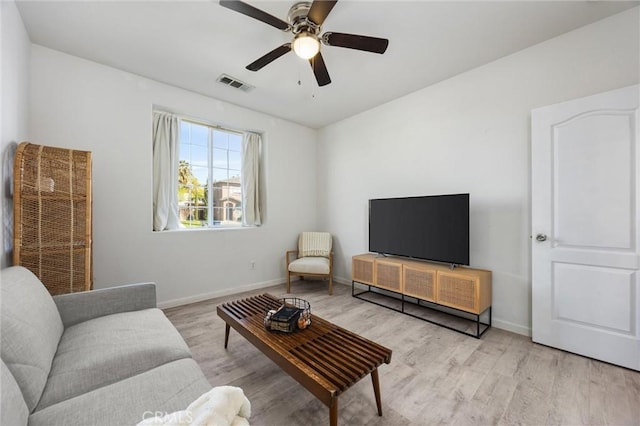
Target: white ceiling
{"points": [[190, 43]]}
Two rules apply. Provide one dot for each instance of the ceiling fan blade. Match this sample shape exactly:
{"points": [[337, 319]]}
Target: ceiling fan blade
{"points": [[353, 41], [269, 57], [320, 10], [320, 70], [247, 9]]}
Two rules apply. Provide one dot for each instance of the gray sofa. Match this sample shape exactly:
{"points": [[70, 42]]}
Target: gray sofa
{"points": [[104, 357]]}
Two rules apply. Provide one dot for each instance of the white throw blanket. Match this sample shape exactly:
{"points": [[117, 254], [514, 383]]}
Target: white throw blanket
{"points": [[221, 406]]}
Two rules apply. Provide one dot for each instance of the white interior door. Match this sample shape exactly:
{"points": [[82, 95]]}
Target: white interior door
{"points": [[585, 228]]}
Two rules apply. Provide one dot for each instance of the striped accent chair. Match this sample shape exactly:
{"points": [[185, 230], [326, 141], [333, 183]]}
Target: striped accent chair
{"points": [[313, 258]]}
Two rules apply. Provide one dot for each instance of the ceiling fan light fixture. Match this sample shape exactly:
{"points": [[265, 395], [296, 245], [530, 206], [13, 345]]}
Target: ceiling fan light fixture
{"points": [[305, 19], [306, 45]]}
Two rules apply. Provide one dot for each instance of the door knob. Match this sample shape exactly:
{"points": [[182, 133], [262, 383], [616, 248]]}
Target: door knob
{"points": [[541, 237]]}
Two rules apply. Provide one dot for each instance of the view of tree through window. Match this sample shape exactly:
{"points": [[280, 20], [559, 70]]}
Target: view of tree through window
{"points": [[209, 163]]}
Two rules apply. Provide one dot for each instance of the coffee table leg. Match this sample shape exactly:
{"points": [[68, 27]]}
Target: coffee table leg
{"points": [[226, 335], [376, 389], [333, 412]]}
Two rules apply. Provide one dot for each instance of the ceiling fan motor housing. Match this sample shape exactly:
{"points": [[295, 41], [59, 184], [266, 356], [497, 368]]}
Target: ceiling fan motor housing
{"points": [[299, 21]]}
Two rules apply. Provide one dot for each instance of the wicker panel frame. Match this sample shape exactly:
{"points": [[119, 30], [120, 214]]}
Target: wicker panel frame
{"points": [[389, 275], [362, 269], [53, 216], [465, 289], [458, 291], [420, 283]]}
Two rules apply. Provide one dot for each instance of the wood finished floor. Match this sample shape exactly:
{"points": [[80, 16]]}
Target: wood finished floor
{"points": [[436, 376]]}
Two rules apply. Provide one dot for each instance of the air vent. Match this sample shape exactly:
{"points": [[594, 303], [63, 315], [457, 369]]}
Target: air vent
{"points": [[227, 80]]}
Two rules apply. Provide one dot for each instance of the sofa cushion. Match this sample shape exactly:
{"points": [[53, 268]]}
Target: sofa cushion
{"points": [[14, 410], [165, 389], [310, 265], [103, 350], [31, 329]]}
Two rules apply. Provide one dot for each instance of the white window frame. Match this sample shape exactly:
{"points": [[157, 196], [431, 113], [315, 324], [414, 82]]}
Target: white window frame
{"points": [[210, 168]]}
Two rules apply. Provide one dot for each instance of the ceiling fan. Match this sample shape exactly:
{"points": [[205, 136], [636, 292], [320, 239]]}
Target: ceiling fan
{"points": [[305, 20]]}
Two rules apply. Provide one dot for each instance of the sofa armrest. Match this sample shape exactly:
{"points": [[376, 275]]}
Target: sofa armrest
{"points": [[78, 307]]}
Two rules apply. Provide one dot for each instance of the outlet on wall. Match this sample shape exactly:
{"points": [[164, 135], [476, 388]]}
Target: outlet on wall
{"points": [[252, 264]]}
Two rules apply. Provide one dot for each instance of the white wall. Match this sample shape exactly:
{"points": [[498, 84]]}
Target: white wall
{"points": [[84, 105], [470, 133], [14, 110], [467, 134]]}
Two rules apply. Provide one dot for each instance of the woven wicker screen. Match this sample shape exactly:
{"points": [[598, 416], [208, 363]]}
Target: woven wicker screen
{"points": [[52, 216]]}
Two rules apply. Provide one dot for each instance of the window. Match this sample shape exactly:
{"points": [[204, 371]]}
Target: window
{"points": [[209, 176], [204, 175]]}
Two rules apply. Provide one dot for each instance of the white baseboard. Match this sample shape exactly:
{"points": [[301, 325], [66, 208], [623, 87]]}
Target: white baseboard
{"points": [[219, 293], [509, 326], [496, 322], [235, 290], [341, 280]]}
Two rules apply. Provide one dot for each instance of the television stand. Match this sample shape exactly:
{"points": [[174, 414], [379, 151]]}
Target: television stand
{"points": [[458, 299]]}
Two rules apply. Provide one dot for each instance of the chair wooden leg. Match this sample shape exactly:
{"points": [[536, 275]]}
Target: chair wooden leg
{"points": [[288, 282], [330, 285]]}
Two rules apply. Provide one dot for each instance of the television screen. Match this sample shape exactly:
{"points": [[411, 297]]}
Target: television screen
{"points": [[431, 227]]}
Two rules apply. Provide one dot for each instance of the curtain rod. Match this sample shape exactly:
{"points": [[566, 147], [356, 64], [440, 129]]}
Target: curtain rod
{"points": [[206, 123]]}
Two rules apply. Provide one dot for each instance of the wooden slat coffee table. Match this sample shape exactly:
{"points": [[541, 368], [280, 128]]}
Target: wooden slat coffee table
{"points": [[324, 358]]}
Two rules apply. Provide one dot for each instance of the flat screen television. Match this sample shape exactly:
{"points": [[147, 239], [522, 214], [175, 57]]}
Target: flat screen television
{"points": [[431, 227]]}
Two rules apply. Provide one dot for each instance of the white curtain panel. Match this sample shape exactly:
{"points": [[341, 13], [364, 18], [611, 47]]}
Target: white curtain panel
{"points": [[251, 179], [166, 131]]}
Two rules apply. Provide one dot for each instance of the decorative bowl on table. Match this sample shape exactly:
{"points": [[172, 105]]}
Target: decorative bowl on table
{"points": [[292, 315]]}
